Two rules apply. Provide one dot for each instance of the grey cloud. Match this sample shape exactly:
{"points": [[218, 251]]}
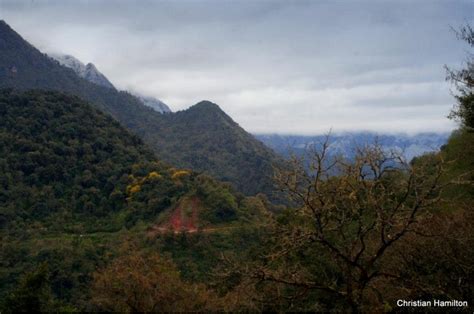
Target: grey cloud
{"points": [[274, 66]]}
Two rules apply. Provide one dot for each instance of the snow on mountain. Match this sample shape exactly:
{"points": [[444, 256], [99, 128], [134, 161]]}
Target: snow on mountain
{"points": [[90, 73], [154, 103], [86, 71], [344, 144]]}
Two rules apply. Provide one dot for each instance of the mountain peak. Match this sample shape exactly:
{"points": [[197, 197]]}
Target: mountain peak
{"points": [[206, 105], [91, 66], [207, 110]]}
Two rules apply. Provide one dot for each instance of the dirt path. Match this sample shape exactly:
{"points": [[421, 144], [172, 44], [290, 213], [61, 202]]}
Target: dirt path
{"points": [[155, 230]]}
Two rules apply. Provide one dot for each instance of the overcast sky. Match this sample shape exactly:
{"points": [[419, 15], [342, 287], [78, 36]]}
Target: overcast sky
{"points": [[299, 67]]}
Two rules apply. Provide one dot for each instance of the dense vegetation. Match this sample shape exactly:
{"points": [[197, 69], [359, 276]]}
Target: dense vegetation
{"points": [[75, 184], [215, 139], [202, 138], [61, 157]]}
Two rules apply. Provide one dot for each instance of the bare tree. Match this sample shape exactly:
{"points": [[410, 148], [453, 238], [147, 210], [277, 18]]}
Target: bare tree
{"points": [[346, 215]]}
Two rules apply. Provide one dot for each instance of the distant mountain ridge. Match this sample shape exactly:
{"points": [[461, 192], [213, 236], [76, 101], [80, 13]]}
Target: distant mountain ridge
{"points": [[410, 145], [92, 74], [203, 137]]}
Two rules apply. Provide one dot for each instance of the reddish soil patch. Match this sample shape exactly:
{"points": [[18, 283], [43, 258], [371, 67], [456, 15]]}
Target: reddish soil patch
{"points": [[183, 218]]}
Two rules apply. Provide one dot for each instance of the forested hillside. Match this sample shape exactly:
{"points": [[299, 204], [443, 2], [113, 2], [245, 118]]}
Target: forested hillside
{"points": [[215, 139], [69, 171], [185, 139], [63, 158]]}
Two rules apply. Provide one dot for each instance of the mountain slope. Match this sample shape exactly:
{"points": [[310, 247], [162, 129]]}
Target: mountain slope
{"points": [[62, 159], [215, 139], [60, 155], [24, 67]]}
